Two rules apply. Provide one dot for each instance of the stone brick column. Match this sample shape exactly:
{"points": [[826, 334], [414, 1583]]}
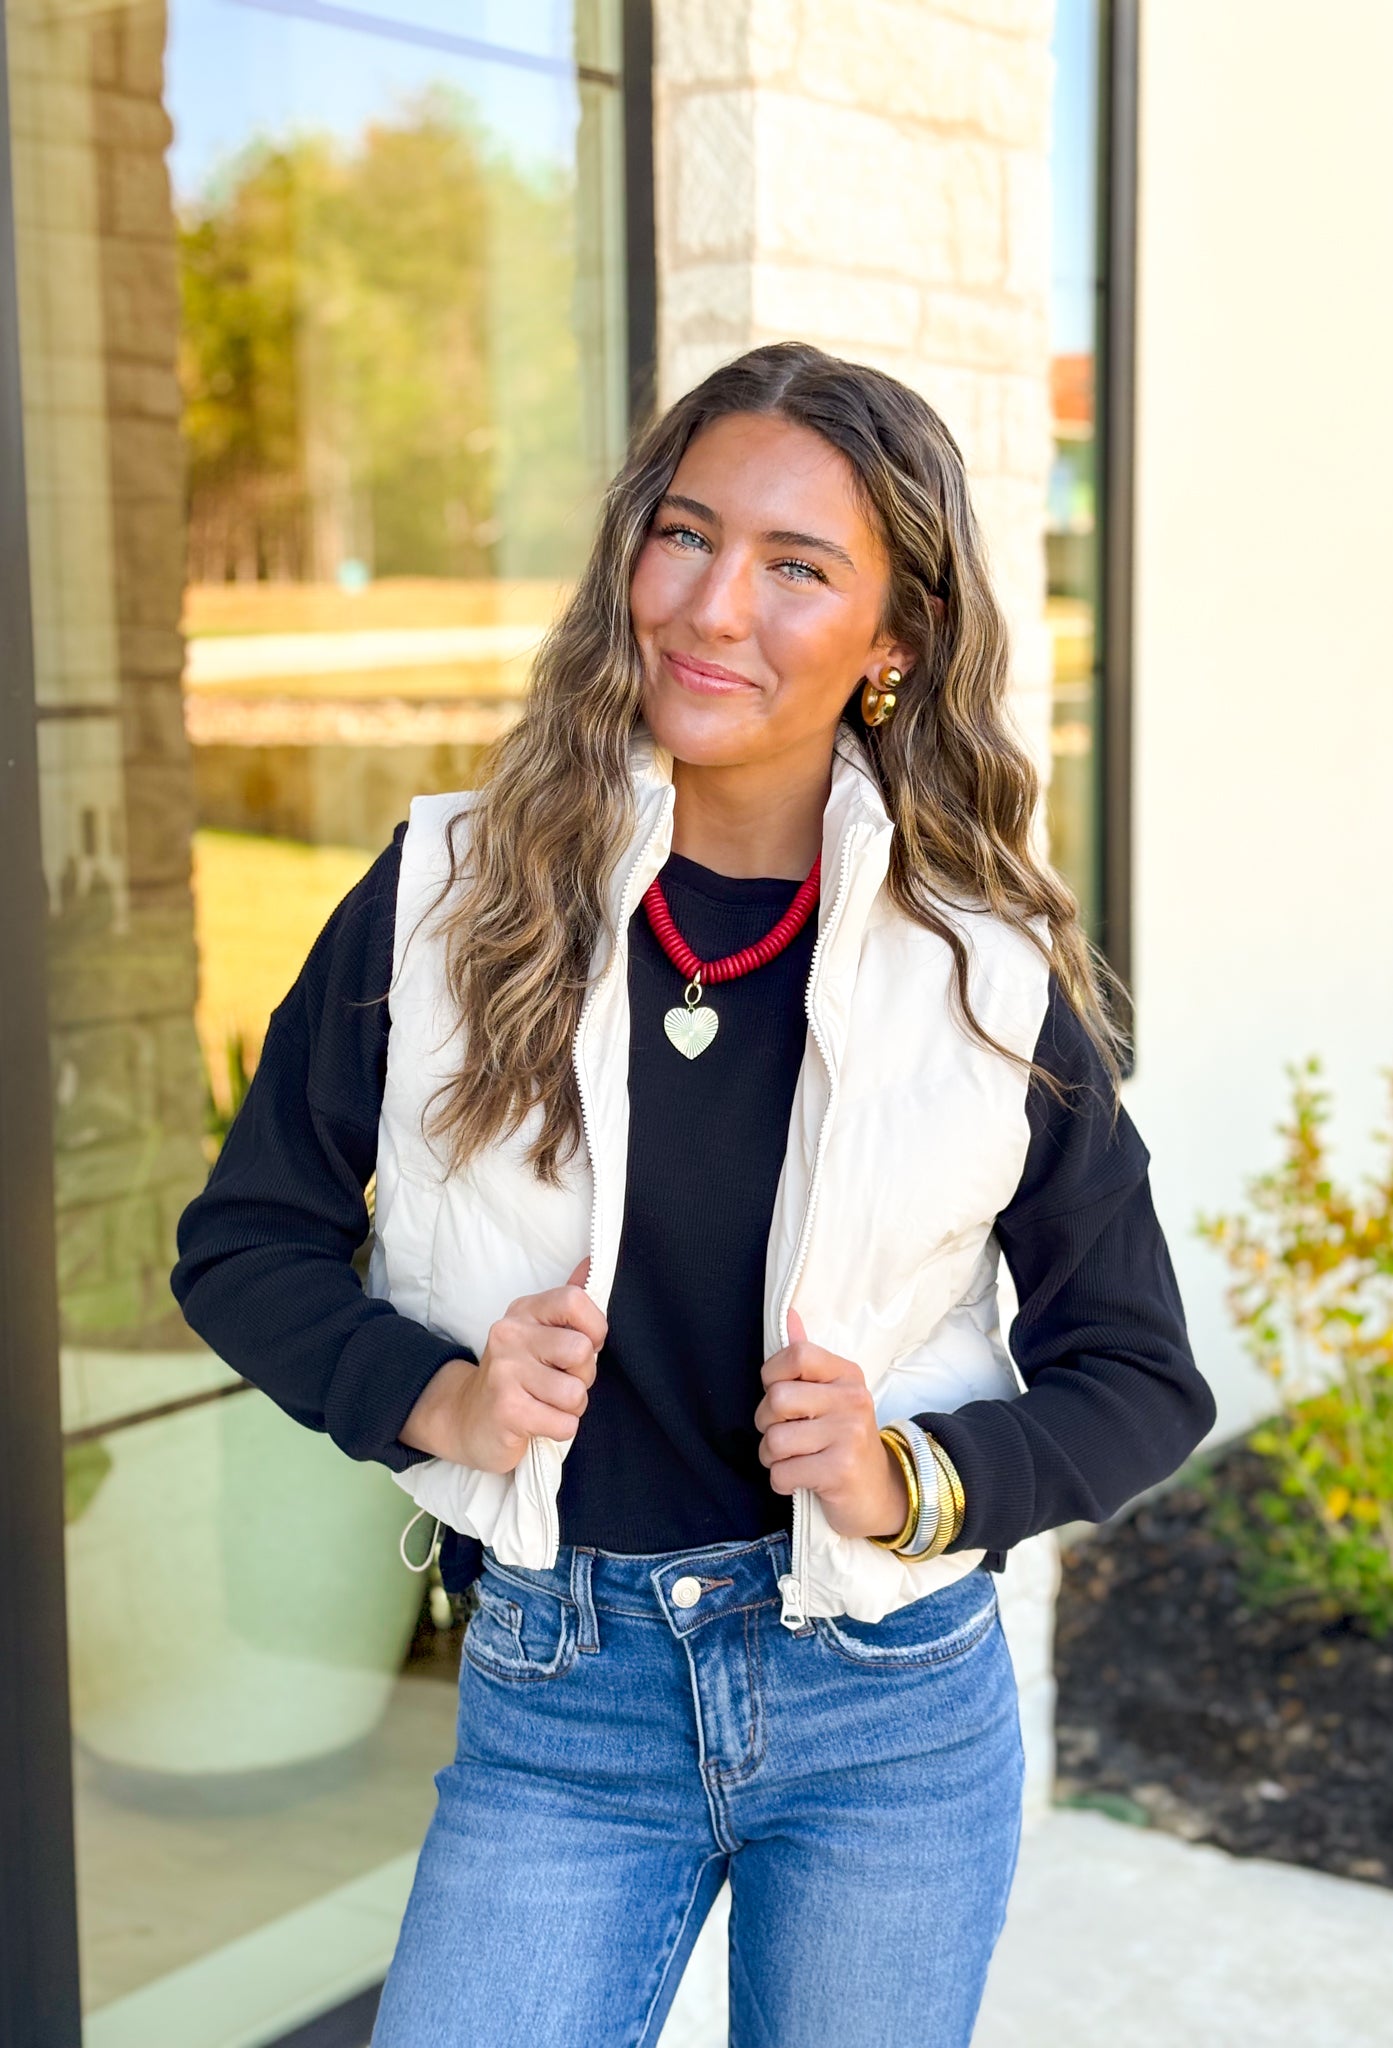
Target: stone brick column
{"points": [[99, 311], [875, 178]]}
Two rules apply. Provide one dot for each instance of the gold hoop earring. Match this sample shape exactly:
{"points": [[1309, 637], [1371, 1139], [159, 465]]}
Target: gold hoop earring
{"points": [[878, 699]]}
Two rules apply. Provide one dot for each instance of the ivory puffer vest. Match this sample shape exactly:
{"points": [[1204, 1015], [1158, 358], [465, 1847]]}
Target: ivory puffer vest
{"points": [[907, 1137]]}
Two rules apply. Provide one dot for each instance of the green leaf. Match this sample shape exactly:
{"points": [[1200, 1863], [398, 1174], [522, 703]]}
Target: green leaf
{"points": [[85, 1467]]}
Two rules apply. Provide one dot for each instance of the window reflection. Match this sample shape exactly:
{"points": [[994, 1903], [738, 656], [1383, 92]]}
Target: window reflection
{"points": [[323, 357]]}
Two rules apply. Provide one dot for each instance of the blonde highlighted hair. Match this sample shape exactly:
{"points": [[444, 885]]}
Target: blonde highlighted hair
{"points": [[521, 912]]}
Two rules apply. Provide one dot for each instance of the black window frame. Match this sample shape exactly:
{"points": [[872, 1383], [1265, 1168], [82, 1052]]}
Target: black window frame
{"points": [[39, 1986], [1115, 403]]}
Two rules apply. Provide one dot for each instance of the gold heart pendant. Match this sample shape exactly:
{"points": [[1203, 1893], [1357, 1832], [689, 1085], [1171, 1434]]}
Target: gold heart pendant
{"points": [[691, 1031]]}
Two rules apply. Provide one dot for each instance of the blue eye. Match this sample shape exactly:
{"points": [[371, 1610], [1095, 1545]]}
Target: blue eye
{"points": [[810, 572], [683, 534]]}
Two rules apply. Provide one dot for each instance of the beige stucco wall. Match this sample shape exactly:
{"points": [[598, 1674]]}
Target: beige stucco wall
{"points": [[875, 179], [1264, 697]]}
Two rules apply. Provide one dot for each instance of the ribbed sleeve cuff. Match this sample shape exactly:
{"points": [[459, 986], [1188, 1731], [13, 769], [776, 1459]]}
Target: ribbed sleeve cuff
{"points": [[997, 1472], [382, 1372]]}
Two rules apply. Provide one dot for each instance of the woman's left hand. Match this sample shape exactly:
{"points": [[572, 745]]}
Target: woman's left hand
{"points": [[819, 1430]]}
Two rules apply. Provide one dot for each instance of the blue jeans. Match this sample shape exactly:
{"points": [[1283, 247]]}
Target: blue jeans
{"points": [[626, 1741]]}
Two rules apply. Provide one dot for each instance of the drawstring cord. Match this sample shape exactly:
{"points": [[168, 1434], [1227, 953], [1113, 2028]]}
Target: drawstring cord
{"points": [[433, 1553]]}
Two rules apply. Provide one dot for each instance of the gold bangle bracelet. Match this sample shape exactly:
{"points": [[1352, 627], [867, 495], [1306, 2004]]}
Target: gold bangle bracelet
{"points": [[943, 1534], [916, 1444], [912, 1489], [955, 1485], [911, 1480]]}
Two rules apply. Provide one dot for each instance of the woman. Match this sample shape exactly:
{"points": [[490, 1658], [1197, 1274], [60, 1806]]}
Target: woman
{"points": [[734, 1030]]}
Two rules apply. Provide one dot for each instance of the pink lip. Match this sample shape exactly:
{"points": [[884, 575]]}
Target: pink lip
{"points": [[705, 676]]}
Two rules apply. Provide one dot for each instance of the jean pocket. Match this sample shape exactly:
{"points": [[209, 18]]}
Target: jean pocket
{"points": [[519, 1632], [937, 1630]]}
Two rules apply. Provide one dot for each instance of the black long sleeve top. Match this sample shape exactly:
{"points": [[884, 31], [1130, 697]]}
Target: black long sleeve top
{"points": [[667, 1454]]}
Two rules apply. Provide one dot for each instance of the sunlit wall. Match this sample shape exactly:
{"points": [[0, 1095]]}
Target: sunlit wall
{"points": [[1264, 703]]}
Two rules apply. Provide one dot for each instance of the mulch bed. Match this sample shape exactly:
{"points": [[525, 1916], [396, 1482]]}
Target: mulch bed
{"points": [[1267, 1732]]}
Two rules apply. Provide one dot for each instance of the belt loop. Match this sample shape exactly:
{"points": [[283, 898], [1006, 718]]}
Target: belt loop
{"points": [[587, 1633]]}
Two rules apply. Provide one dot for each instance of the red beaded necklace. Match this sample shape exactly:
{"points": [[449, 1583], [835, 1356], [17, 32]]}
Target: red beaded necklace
{"points": [[692, 1029]]}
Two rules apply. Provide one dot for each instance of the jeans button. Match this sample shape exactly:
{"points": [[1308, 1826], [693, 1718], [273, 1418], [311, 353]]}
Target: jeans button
{"points": [[686, 1592]]}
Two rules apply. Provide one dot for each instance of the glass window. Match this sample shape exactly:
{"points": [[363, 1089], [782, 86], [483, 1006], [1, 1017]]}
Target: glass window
{"points": [[323, 350], [1072, 521]]}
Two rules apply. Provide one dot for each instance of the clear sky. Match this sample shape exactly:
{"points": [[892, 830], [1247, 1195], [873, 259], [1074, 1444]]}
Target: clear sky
{"points": [[238, 69], [1073, 161]]}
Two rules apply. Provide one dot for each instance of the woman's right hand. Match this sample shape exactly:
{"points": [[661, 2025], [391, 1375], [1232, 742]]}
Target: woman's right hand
{"points": [[533, 1380]]}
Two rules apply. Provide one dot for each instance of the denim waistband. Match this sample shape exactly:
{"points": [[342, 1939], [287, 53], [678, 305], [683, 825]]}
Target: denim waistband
{"points": [[685, 1588]]}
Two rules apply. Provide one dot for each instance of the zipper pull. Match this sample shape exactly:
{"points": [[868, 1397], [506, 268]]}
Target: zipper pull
{"points": [[791, 1614]]}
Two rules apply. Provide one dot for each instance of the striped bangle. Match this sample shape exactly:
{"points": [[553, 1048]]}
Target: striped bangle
{"points": [[943, 1505], [931, 1528], [943, 1535], [955, 1486]]}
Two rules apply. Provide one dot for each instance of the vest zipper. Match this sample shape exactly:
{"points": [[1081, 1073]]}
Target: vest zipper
{"points": [[793, 1586], [621, 920], [534, 1452]]}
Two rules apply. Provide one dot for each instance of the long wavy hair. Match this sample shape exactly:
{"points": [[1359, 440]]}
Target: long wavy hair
{"points": [[523, 905]]}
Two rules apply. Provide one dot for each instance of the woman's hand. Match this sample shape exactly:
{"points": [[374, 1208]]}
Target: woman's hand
{"points": [[819, 1430], [538, 1362]]}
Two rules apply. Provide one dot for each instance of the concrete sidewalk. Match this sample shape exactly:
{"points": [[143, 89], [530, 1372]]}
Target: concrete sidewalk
{"points": [[1125, 1937]]}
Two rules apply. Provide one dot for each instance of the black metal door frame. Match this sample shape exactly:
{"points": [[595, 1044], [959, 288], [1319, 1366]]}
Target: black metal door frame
{"points": [[39, 1998], [1115, 354]]}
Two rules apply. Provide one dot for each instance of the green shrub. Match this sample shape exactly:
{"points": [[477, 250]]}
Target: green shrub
{"points": [[1312, 1294], [220, 1105]]}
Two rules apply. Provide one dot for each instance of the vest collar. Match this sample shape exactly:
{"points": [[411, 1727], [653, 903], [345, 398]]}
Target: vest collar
{"points": [[856, 829]]}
